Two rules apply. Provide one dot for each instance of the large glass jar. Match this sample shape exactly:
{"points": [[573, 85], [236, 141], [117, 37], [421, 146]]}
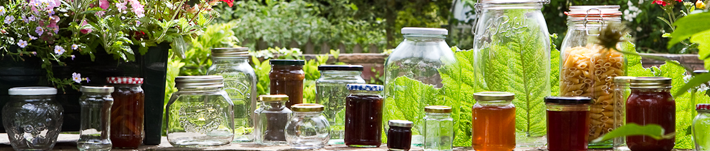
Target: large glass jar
{"points": [[493, 123], [32, 118], [331, 91], [307, 128], [621, 94], [287, 78], [651, 102], [512, 54], [399, 136], [200, 114], [363, 116], [272, 120], [240, 84], [568, 126], [420, 57], [127, 112], [94, 129], [701, 127], [438, 129]]}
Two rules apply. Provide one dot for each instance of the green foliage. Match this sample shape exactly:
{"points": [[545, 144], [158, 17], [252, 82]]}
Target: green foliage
{"points": [[652, 130], [697, 28], [198, 59]]}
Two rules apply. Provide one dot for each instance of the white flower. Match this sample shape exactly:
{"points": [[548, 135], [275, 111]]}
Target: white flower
{"points": [[59, 50], [2, 10], [22, 43], [74, 47], [76, 77]]}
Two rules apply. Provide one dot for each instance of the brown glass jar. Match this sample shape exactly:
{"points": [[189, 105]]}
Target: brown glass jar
{"points": [[127, 112], [399, 136], [287, 78]]}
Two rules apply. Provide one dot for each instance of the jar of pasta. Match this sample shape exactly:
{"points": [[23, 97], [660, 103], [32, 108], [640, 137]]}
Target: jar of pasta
{"points": [[588, 70]]}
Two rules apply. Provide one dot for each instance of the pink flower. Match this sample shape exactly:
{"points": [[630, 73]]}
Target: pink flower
{"points": [[103, 4], [53, 24], [137, 8], [85, 30], [100, 14], [121, 6]]}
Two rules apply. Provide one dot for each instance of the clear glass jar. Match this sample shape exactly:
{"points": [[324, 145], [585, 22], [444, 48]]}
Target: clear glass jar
{"points": [[621, 94], [307, 128], [438, 129], [421, 56], [363, 116], [568, 126], [512, 54], [493, 123], [287, 78], [272, 120], [651, 102], [331, 91], [94, 129], [399, 135], [200, 114], [240, 84], [127, 112], [32, 118], [701, 127]]}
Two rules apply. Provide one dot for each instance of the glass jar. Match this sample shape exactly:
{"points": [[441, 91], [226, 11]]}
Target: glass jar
{"points": [[127, 112], [651, 102], [331, 91], [94, 129], [568, 126], [438, 129], [32, 118], [621, 94], [287, 78], [240, 84], [512, 54], [421, 56], [308, 129], [493, 123], [363, 116], [200, 114], [272, 120], [701, 127], [399, 136]]}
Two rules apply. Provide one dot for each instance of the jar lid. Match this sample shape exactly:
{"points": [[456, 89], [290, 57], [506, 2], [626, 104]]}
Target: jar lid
{"points": [[32, 91], [594, 11], [425, 31], [437, 109], [623, 79], [97, 89], [286, 62], [124, 80], [308, 107], [341, 67], [702, 107], [513, 1], [273, 98], [365, 87], [493, 96], [651, 82], [700, 71], [400, 123], [199, 82], [568, 100], [230, 52]]}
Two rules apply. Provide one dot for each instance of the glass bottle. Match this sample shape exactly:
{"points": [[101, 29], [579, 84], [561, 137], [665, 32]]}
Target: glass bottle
{"points": [[438, 129], [307, 128], [127, 112], [200, 114], [421, 56], [399, 136], [363, 116], [651, 102], [240, 84], [272, 120], [621, 94], [331, 91], [568, 126], [493, 123], [287, 78], [512, 54], [701, 127], [32, 118], [94, 129]]}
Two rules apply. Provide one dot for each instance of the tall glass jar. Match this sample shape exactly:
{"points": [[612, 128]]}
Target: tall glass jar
{"points": [[363, 116], [287, 78], [512, 54], [200, 114], [94, 129], [420, 57], [127, 112], [701, 127], [621, 94], [331, 91], [493, 123], [651, 102], [32, 118], [272, 120], [568, 126], [240, 84], [438, 129], [307, 128]]}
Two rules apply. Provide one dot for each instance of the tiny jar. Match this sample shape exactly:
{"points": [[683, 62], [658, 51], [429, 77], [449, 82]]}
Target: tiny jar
{"points": [[94, 129], [272, 120], [307, 129], [287, 78], [200, 114], [701, 127], [363, 115], [493, 121], [399, 135], [651, 94], [568, 123], [331, 91], [438, 130], [127, 112], [32, 118], [621, 94]]}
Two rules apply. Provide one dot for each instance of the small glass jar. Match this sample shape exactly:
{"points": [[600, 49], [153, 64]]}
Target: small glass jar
{"points": [[308, 129], [94, 129], [399, 135], [127, 112], [568, 123], [438, 129], [272, 120], [363, 115], [331, 91], [621, 94], [493, 123], [32, 118], [200, 114], [701, 127], [287, 78], [651, 102]]}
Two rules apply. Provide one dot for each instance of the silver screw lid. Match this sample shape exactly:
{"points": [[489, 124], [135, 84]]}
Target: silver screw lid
{"points": [[230, 52], [32, 91], [96, 89], [400, 123], [199, 82]]}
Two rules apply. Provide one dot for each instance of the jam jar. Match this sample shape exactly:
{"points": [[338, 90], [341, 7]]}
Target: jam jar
{"points": [[127, 112], [307, 128], [94, 128], [32, 118], [651, 102], [363, 115], [399, 136], [272, 120], [493, 123], [287, 78], [568, 123]]}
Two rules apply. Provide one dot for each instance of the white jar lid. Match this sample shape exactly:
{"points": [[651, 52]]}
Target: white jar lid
{"points": [[427, 31], [32, 91]]}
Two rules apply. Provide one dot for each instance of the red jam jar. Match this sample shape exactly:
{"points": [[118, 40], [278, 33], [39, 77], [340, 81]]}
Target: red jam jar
{"points": [[651, 102], [363, 115], [567, 123], [127, 112], [399, 136]]}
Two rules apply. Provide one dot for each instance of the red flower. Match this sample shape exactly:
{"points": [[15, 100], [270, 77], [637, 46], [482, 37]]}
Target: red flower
{"points": [[229, 2], [680, 0], [660, 2]]}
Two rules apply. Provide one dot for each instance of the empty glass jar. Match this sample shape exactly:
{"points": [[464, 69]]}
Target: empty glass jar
{"points": [[701, 127], [94, 130], [438, 129], [307, 128], [331, 91], [127, 112], [621, 94], [32, 118], [272, 120]]}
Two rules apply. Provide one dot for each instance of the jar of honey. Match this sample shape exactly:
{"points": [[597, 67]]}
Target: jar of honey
{"points": [[127, 112], [493, 123], [287, 78]]}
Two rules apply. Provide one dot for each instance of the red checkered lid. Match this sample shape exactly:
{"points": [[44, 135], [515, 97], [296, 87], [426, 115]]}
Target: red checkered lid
{"points": [[702, 107], [124, 80]]}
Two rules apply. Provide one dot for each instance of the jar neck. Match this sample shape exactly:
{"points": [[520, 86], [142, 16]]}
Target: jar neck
{"points": [[650, 90], [183, 89], [703, 111], [33, 98], [315, 113], [340, 73], [95, 94], [592, 23], [516, 5], [495, 102], [363, 92], [126, 85], [424, 37], [274, 105], [287, 67], [567, 107], [399, 127], [230, 60], [438, 114]]}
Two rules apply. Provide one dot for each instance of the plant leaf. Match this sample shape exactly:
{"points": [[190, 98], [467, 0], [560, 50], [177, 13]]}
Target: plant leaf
{"points": [[688, 26], [631, 129]]}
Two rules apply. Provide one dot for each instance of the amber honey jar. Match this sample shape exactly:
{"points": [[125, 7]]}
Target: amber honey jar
{"points": [[127, 112]]}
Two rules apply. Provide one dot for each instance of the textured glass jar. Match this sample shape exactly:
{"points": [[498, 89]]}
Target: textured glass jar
{"points": [[331, 91], [399, 135], [651, 102], [621, 94], [127, 112], [493, 123], [95, 128], [272, 120], [701, 127], [438, 129], [287, 78], [307, 128], [568, 126], [32, 118], [200, 114], [363, 116], [240, 84]]}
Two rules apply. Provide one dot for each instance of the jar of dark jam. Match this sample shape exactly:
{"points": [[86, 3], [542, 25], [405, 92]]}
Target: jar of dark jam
{"points": [[287, 78], [399, 136], [568, 123], [363, 115], [651, 102], [127, 112]]}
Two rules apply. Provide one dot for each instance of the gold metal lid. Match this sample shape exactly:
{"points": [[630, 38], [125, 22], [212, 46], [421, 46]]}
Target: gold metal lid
{"points": [[650, 82], [307, 107], [623, 79], [97, 89], [437, 109], [273, 98], [493, 96], [400, 123]]}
